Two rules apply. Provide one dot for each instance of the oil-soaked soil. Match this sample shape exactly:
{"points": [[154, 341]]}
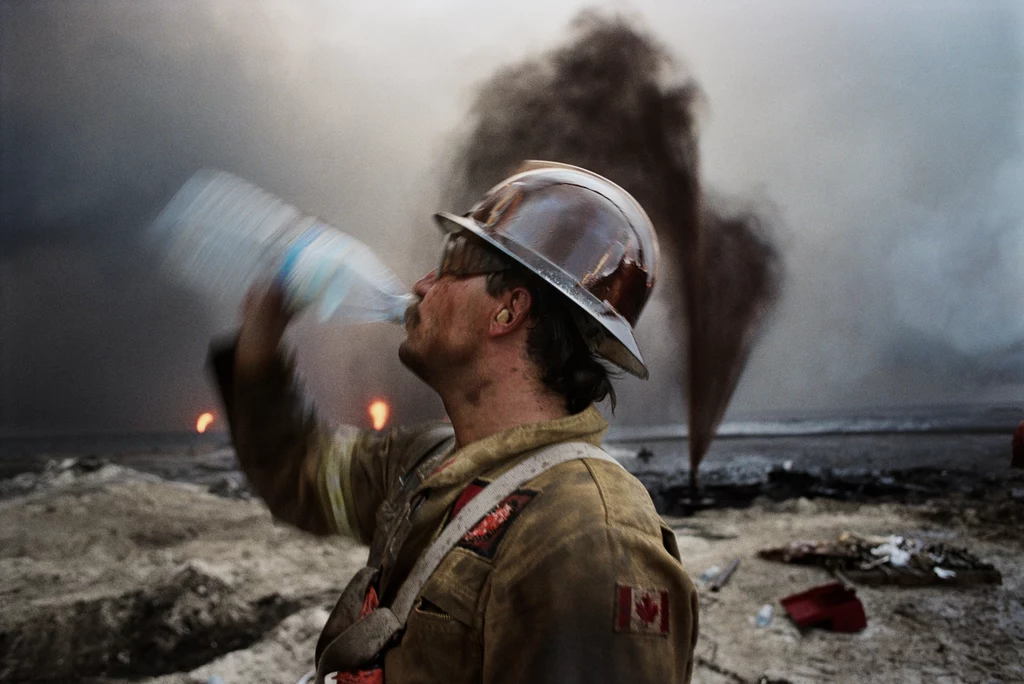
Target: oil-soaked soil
{"points": [[113, 575]]}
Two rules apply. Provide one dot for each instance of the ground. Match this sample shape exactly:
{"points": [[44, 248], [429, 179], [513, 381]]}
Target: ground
{"points": [[913, 635], [117, 576]]}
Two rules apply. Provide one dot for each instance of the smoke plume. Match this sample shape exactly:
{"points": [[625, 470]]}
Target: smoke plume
{"points": [[613, 101], [889, 138]]}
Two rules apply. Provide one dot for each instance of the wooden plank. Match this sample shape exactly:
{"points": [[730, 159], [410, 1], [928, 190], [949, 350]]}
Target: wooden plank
{"points": [[907, 578]]}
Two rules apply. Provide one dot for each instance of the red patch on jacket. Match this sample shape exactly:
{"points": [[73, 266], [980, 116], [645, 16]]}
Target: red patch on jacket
{"points": [[374, 676], [370, 603], [642, 611], [484, 537]]}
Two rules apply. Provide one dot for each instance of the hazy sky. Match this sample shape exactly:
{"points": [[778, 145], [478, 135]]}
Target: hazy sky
{"points": [[887, 142]]}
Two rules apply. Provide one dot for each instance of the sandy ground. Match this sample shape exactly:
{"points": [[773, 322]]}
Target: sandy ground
{"points": [[117, 576]]}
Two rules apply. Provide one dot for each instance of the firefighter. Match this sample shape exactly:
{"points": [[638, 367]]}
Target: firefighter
{"points": [[506, 546]]}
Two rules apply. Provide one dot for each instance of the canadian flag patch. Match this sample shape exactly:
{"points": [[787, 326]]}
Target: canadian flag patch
{"points": [[643, 611]]}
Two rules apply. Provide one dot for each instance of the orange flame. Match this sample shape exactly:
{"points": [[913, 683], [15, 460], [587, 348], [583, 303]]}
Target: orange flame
{"points": [[379, 411], [203, 422]]}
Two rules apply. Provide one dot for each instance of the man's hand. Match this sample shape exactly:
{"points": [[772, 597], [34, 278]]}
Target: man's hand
{"points": [[264, 319]]}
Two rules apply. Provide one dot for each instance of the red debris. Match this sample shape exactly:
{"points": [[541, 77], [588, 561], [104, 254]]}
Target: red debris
{"points": [[831, 606]]}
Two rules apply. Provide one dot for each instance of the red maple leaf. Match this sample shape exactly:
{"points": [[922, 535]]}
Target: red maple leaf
{"points": [[646, 609]]}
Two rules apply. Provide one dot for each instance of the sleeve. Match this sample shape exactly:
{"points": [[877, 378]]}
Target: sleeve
{"points": [[363, 466], [606, 605], [320, 479]]}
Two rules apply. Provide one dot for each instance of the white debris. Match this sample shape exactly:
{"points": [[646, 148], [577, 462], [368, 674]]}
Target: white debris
{"points": [[894, 549], [710, 574]]}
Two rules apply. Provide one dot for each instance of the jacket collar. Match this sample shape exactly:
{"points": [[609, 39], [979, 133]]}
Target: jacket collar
{"points": [[493, 455]]}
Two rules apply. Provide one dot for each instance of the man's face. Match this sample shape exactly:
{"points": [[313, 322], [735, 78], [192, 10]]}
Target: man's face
{"points": [[445, 329]]}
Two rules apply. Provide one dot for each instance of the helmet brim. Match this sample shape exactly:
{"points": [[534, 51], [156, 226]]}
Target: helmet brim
{"points": [[618, 345]]}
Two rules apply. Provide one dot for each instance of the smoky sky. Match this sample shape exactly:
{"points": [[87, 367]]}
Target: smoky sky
{"points": [[885, 142], [612, 100]]}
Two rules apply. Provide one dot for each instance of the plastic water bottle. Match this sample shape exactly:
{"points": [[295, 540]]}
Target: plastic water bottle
{"points": [[220, 233]]}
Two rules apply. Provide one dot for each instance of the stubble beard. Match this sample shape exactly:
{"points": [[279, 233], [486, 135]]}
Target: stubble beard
{"points": [[410, 359], [435, 364], [420, 360]]}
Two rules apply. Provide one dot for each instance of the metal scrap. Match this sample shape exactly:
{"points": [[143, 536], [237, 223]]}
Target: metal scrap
{"points": [[723, 578]]}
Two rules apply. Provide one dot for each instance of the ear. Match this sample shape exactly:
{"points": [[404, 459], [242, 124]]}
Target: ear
{"points": [[511, 312]]}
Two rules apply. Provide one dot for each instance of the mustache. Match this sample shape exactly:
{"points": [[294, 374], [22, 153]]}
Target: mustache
{"points": [[412, 314]]}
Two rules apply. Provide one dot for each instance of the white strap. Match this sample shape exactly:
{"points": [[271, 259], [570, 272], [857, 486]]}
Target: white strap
{"points": [[366, 638], [479, 506]]}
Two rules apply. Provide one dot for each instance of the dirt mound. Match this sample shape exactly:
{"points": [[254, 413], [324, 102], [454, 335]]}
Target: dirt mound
{"points": [[177, 622], [281, 657], [129, 579]]}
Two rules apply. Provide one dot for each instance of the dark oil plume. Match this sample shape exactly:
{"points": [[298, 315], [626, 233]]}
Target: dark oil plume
{"points": [[612, 100]]}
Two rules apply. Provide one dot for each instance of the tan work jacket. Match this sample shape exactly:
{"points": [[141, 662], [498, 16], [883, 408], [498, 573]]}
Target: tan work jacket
{"points": [[574, 578]]}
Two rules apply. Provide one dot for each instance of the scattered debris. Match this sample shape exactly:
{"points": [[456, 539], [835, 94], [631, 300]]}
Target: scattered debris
{"points": [[57, 547], [832, 606], [764, 616], [889, 560], [723, 578], [730, 675], [891, 551], [710, 574], [720, 670]]}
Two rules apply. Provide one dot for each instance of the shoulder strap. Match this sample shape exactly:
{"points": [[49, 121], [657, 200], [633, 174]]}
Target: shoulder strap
{"points": [[479, 506], [392, 528], [366, 638], [392, 522]]}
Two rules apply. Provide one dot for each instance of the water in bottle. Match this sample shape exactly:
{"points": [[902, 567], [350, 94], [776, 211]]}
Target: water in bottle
{"points": [[220, 233]]}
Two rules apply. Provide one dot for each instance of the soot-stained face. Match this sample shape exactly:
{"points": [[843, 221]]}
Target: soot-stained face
{"points": [[445, 329]]}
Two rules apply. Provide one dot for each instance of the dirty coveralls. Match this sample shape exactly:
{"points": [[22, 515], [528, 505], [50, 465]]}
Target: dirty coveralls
{"points": [[574, 578]]}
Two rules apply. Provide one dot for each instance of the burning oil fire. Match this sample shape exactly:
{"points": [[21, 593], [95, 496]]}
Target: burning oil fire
{"points": [[203, 422], [379, 411]]}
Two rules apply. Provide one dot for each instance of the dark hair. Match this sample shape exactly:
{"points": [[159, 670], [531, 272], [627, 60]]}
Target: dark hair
{"points": [[556, 346]]}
